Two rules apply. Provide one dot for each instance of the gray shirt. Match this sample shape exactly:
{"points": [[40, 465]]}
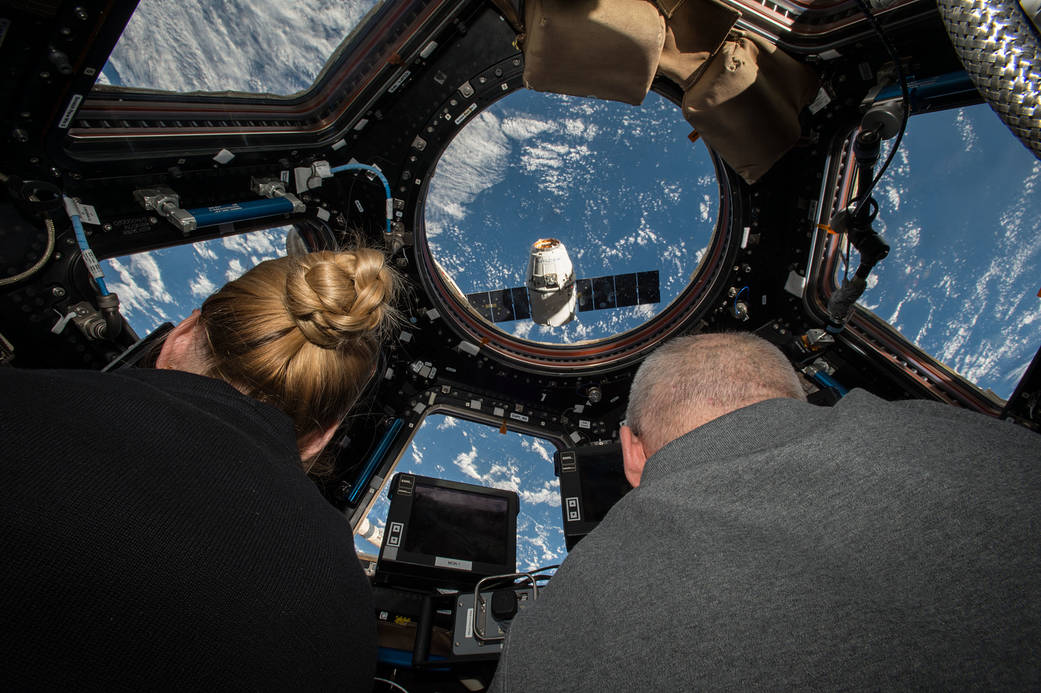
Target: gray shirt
{"points": [[867, 545]]}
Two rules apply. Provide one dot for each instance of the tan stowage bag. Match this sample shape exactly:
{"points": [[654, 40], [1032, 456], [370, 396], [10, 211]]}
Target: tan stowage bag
{"points": [[741, 93], [746, 104], [603, 48]]}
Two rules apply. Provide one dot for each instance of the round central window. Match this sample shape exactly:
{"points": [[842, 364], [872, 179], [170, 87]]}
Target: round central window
{"points": [[622, 189]]}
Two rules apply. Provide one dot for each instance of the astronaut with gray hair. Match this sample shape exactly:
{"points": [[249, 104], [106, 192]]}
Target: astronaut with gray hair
{"points": [[693, 380], [770, 543]]}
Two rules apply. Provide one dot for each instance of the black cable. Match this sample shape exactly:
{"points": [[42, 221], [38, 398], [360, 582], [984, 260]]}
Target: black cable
{"points": [[904, 92]]}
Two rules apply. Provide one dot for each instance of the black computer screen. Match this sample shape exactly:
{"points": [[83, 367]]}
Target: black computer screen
{"points": [[603, 483], [457, 524]]}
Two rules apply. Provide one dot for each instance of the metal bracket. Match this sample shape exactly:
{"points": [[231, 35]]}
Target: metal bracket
{"points": [[167, 203]]}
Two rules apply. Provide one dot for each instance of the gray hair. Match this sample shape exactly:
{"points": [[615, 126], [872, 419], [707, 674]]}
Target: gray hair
{"points": [[691, 380]]}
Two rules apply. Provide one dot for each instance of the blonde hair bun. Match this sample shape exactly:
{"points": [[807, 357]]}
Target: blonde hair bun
{"points": [[335, 297]]}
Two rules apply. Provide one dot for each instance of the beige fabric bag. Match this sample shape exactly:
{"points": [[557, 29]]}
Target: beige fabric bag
{"points": [[741, 93], [603, 48], [746, 104], [694, 31]]}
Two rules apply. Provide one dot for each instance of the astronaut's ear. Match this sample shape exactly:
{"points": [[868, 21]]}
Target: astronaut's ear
{"points": [[316, 442], [633, 455], [179, 348]]}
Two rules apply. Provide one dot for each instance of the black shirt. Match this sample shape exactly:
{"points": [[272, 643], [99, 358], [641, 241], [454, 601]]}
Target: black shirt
{"points": [[158, 532]]}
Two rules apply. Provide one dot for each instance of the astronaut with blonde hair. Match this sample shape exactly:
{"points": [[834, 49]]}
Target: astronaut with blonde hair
{"points": [[160, 529], [301, 333]]}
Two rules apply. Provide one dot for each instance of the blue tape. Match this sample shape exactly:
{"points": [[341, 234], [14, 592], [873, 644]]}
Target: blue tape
{"points": [[374, 459]]}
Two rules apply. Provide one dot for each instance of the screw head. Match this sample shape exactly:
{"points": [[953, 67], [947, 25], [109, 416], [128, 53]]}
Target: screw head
{"points": [[58, 292]]}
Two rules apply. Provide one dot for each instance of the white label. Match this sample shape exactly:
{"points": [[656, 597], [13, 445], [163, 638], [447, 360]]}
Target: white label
{"points": [[399, 81], [474, 404], [431, 399], [223, 156], [820, 102], [433, 314], [796, 283], [575, 437], [70, 111], [92, 263], [469, 623], [358, 206], [582, 423], [88, 215], [519, 417], [339, 144], [469, 348], [220, 209], [323, 214], [284, 176], [498, 411], [453, 563], [466, 114], [744, 237], [418, 407]]}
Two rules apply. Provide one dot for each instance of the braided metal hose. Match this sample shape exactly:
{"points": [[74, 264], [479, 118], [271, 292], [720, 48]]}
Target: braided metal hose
{"points": [[1000, 50]]}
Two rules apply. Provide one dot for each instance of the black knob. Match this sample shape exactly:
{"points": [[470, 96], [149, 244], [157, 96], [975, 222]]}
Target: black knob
{"points": [[504, 604]]}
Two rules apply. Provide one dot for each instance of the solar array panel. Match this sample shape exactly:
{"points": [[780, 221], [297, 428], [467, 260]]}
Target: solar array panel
{"points": [[598, 293]]}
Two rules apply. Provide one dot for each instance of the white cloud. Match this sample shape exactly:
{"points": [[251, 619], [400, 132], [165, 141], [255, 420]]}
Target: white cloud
{"points": [[555, 164], [911, 234], [543, 451], [522, 128], [447, 423], [892, 194], [474, 161], [185, 46], [145, 266], [134, 299], [260, 245], [522, 328], [705, 207], [967, 130], [235, 269], [465, 461], [546, 494], [235, 243], [205, 250], [201, 286]]}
